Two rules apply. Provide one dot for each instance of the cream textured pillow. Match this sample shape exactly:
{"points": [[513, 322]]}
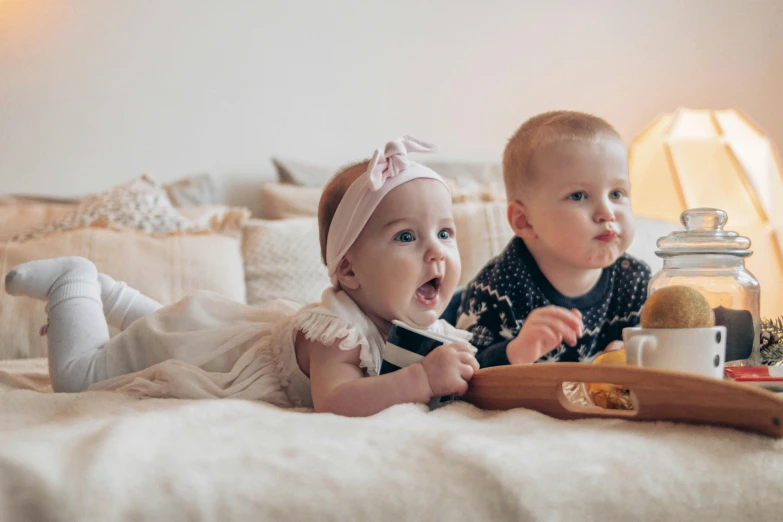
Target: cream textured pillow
{"points": [[482, 233], [165, 268], [283, 261], [464, 192]]}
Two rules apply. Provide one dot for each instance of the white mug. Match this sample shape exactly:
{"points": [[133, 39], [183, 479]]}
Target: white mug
{"points": [[694, 350]]}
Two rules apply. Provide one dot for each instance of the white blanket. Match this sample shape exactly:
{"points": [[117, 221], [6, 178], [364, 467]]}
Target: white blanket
{"points": [[105, 456]]}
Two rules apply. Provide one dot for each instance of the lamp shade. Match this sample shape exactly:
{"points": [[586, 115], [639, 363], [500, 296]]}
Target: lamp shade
{"points": [[720, 159]]}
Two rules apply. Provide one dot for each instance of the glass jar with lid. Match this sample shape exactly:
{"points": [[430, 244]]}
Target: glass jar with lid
{"points": [[711, 260]]}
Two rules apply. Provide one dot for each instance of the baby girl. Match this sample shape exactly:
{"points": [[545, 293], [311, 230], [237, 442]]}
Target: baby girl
{"points": [[388, 240]]}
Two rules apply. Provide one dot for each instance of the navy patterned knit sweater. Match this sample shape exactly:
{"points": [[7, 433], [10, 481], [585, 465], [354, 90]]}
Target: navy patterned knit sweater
{"points": [[496, 303]]}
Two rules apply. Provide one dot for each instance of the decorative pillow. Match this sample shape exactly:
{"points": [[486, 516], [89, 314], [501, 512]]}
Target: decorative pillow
{"points": [[165, 268], [283, 261], [282, 201], [470, 175], [29, 199], [465, 177], [300, 173], [198, 190], [482, 233], [24, 217], [220, 219], [462, 193], [141, 204]]}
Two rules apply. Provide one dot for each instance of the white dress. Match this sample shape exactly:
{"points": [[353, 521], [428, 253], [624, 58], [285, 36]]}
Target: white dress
{"points": [[206, 346]]}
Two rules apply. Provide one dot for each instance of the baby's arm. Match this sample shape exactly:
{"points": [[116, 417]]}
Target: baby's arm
{"points": [[492, 322], [338, 384], [545, 329], [487, 319]]}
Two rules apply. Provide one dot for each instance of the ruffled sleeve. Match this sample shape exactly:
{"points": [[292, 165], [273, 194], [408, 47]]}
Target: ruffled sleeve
{"points": [[327, 329], [337, 317]]}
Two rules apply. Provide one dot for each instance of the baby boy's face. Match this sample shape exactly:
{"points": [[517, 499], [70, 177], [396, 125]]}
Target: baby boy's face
{"points": [[578, 204]]}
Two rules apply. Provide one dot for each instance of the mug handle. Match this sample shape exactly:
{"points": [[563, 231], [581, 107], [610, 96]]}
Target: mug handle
{"points": [[635, 347]]}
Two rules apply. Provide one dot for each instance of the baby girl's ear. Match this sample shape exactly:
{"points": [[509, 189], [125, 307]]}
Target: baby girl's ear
{"points": [[517, 218], [345, 275]]}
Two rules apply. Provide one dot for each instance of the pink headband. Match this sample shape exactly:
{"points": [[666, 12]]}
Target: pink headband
{"points": [[387, 170]]}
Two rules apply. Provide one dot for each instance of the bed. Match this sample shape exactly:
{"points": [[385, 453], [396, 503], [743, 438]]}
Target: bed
{"points": [[108, 456]]}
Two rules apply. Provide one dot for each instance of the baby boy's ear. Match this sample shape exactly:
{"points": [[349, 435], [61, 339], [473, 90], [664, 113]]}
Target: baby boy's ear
{"points": [[517, 218], [345, 275]]}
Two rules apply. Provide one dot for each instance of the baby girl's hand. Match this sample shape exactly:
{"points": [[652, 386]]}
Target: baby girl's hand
{"points": [[544, 330], [449, 367], [614, 345]]}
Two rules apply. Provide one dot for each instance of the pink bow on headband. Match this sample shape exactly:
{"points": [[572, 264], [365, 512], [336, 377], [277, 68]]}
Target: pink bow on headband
{"points": [[394, 159], [386, 171]]}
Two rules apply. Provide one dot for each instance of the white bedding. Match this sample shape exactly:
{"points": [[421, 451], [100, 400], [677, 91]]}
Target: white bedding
{"points": [[105, 456]]}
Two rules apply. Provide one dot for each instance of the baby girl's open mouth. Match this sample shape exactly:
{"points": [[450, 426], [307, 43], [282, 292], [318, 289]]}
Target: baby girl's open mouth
{"points": [[427, 294]]}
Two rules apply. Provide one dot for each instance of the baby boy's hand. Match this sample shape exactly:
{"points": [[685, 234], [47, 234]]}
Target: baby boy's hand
{"points": [[449, 367], [544, 330]]}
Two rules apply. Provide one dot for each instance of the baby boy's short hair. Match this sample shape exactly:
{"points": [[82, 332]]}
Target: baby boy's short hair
{"points": [[542, 130], [333, 194]]}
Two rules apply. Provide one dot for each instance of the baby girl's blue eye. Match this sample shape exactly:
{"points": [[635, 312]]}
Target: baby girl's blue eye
{"points": [[444, 234], [405, 237], [616, 195], [577, 196]]}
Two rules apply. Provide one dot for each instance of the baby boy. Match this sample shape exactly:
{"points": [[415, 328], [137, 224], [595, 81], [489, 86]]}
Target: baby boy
{"points": [[564, 288]]}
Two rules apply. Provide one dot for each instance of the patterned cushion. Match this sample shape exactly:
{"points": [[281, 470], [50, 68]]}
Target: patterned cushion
{"points": [[141, 204]]}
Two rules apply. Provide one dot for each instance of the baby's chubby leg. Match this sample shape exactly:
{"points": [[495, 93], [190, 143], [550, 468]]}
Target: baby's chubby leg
{"points": [[77, 329], [122, 305]]}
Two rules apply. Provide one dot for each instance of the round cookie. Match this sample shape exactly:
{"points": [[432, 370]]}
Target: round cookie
{"points": [[677, 307]]}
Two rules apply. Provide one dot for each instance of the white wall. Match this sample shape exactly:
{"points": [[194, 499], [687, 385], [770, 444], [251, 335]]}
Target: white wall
{"points": [[93, 92]]}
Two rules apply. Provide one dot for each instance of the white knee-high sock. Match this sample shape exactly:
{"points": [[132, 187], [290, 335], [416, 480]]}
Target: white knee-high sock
{"points": [[122, 304], [77, 328]]}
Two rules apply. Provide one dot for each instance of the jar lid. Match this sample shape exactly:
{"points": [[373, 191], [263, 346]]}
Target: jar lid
{"points": [[703, 234]]}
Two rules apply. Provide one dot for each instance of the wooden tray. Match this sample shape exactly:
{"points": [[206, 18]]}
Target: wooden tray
{"points": [[659, 395]]}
